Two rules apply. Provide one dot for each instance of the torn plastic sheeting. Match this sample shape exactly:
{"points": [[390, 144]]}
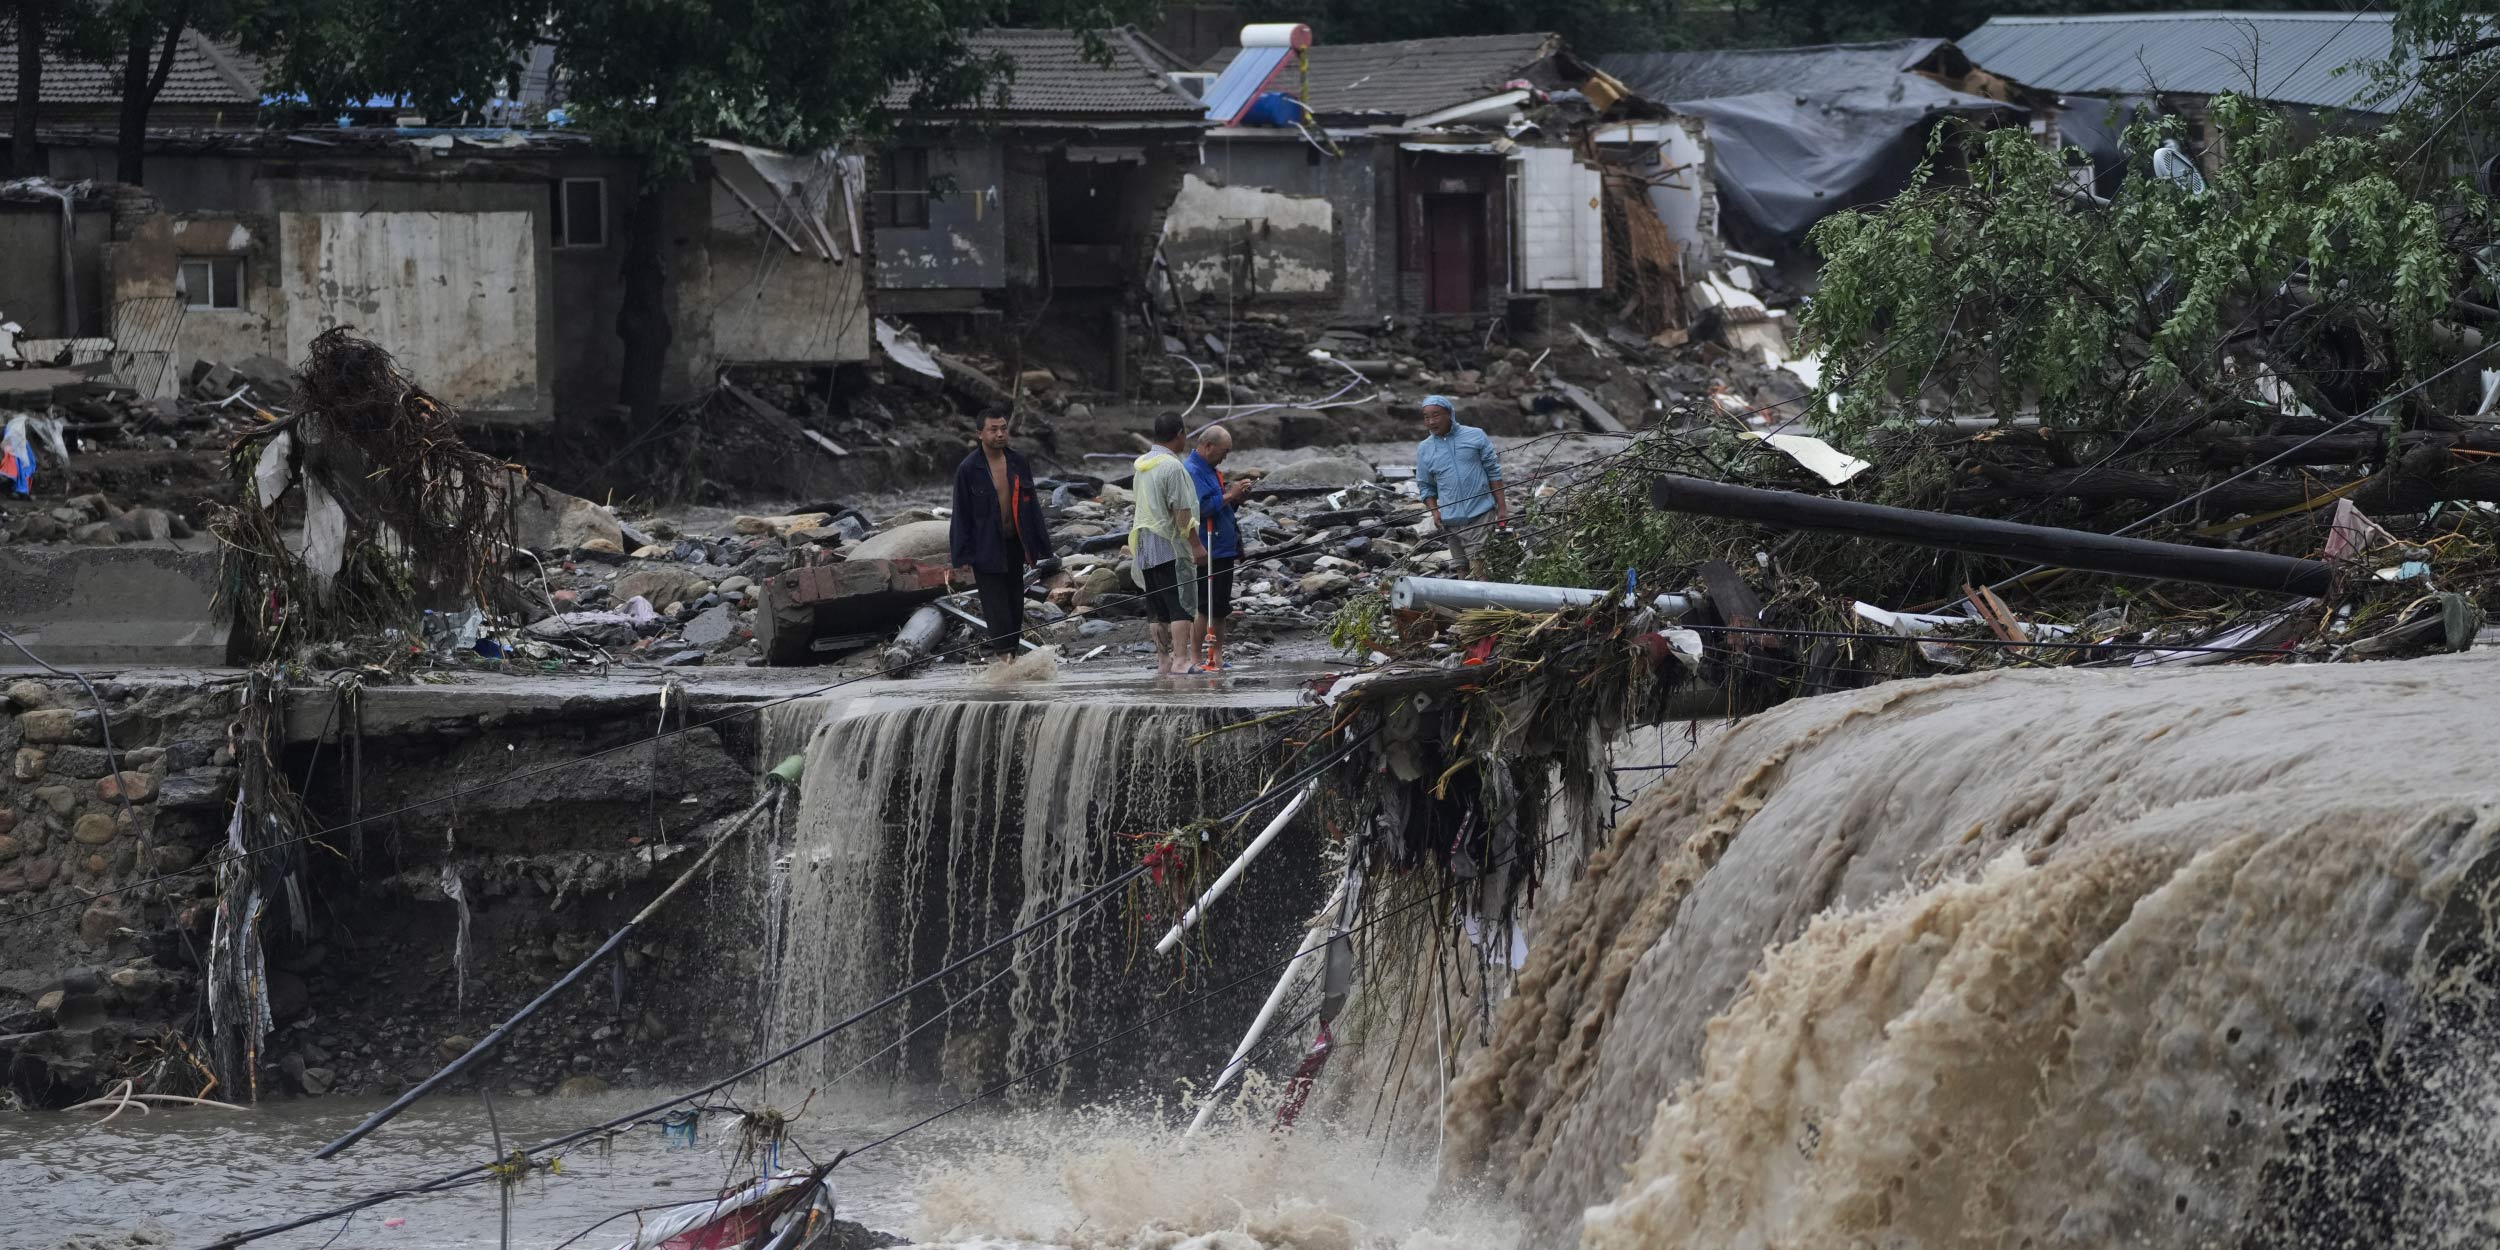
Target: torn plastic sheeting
{"points": [[905, 352], [1819, 458], [271, 473], [1919, 624], [324, 549], [2263, 632]]}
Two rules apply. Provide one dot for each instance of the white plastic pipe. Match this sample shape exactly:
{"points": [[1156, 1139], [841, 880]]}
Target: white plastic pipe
{"points": [[1313, 941], [1232, 871], [1458, 594]]}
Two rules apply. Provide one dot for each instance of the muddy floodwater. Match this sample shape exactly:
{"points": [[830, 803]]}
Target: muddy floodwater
{"points": [[1000, 1180], [206, 1173]]}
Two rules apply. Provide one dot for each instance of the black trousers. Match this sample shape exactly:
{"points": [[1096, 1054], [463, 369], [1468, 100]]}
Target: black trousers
{"points": [[1002, 609]]}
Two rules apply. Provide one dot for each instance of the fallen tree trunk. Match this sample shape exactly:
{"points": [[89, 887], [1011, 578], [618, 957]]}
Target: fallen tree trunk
{"points": [[2038, 544]]}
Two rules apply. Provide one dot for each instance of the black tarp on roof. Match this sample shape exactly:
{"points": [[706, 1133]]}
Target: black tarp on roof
{"points": [[1798, 133]]}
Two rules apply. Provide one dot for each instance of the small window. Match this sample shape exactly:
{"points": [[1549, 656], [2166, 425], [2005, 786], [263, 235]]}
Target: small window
{"points": [[581, 212], [902, 196], [210, 282]]}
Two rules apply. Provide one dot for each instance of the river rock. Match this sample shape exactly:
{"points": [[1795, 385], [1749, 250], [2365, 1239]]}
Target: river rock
{"points": [[1099, 583], [134, 786], [61, 799], [1324, 583], [920, 540], [454, 1046], [581, 1086], [60, 724], [712, 628], [93, 829], [317, 1081]]}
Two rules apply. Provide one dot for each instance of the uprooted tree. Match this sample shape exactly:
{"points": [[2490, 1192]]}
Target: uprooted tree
{"points": [[2223, 358]]}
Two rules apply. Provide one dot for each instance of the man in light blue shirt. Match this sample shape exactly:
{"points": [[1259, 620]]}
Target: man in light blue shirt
{"points": [[1459, 477]]}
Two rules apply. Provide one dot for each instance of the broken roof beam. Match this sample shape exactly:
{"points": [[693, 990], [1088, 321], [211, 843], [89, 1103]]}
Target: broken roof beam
{"points": [[2036, 544]]}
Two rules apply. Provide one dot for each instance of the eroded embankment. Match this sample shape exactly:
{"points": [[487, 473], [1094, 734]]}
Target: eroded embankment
{"points": [[2066, 958]]}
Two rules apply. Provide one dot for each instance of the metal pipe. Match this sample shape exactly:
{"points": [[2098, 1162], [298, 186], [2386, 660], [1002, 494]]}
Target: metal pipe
{"points": [[2034, 544], [1313, 940], [1233, 870], [1457, 594]]}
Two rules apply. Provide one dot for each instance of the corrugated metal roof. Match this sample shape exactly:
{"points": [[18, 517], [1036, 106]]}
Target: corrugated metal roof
{"points": [[1411, 77], [1717, 74], [203, 73], [1053, 76], [2288, 58]]}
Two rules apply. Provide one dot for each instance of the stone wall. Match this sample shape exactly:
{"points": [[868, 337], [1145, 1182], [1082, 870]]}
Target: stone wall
{"points": [[81, 979]]}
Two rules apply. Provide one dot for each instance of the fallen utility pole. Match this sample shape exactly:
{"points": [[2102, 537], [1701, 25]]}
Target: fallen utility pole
{"points": [[785, 774], [2035, 544]]}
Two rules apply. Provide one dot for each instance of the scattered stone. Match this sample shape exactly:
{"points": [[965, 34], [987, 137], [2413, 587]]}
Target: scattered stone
{"points": [[1094, 628], [50, 1002], [61, 799], [317, 1081], [97, 924], [1324, 583], [94, 829], [454, 1046], [136, 787]]}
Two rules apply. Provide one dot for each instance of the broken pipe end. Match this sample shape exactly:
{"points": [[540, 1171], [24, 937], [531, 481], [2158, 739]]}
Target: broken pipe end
{"points": [[787, 771]]}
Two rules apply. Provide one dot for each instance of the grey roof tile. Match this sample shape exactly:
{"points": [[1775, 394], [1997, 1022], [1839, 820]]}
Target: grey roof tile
{"points": [[1053, 76], [204, 72], [1410, 77]]}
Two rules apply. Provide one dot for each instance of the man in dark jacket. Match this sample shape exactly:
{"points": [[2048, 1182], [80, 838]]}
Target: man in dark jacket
{"points": [[997, 531]]}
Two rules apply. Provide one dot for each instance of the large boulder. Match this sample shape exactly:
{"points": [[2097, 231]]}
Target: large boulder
{"points": [[1319, 471], [920, 540], [548, 518]]}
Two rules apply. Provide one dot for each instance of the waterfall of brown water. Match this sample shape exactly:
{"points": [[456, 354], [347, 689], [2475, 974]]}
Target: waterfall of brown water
{"points": [[2045, 959], [927, 829]]}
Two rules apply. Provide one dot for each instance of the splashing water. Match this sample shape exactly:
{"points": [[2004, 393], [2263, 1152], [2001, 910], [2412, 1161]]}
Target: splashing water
{"points": [[1121, 1180], [2076, 958]]}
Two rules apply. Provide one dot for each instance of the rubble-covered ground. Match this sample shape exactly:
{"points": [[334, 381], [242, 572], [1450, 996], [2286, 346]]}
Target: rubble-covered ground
{"points": [[670, 572]]}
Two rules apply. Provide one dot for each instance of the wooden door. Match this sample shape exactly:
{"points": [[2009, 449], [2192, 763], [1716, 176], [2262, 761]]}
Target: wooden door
{"points": [[1453, 253]]}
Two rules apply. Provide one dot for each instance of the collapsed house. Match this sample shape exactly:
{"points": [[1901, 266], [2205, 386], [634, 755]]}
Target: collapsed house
{"points": [[488, 258], [1422, 178], [1797, 134], [2111, 68], [1047, 195]]}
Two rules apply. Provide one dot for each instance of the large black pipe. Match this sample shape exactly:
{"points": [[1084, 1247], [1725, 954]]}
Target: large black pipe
{"points": [[2037, 544]]}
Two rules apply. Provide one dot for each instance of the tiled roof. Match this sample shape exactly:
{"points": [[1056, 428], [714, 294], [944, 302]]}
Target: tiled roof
{"points": [[1412, 77], [1053, 76], [2293, 58], [204, 73]]}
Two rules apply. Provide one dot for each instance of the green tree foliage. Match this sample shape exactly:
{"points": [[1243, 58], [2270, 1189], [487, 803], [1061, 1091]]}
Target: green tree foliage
{"points": [[2317, 257]]}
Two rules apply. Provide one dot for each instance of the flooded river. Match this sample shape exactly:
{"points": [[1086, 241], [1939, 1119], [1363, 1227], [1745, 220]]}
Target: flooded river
{"points": [[997, 1181]]}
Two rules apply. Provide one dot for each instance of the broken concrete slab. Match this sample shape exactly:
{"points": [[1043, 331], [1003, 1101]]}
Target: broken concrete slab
{"points": [[853, 598]]}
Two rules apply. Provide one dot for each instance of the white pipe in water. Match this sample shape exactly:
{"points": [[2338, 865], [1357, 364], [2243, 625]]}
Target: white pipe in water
{"points": [[1232, 871], [1313, 941]]}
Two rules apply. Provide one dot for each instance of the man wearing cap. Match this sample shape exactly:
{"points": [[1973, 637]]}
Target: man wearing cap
{"points": [[1459, 477]]}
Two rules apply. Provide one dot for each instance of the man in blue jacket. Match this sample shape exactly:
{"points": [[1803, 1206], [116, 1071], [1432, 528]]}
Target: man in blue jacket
{"points": [[1459, 477], [997, 531], [1216, 500]]}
